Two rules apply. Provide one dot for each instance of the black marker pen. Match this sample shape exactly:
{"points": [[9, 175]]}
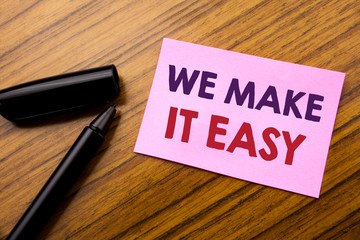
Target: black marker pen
{"points": [[63, 177]]}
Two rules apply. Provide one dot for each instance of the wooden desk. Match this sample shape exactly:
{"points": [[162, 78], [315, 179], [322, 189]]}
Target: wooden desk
{"points": [[123, 195]]}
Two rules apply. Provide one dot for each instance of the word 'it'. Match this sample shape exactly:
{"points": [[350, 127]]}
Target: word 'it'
{"points": [[245, 131]]}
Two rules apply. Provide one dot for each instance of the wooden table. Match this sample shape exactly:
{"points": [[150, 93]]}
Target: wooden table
{"points": [[123, 195]]}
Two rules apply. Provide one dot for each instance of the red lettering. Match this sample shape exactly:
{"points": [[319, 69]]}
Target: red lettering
{"points": [[243, 139], [189, 115], [292, 146], [171, 123], [269, 142], [214, 130], [249, 144]]}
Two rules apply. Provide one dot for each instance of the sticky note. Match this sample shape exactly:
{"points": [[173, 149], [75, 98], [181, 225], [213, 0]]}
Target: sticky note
{"points": [[251, 118]]}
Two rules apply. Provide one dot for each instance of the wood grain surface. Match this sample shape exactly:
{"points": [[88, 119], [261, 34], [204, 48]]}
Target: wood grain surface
{"points": [[123, 195]]}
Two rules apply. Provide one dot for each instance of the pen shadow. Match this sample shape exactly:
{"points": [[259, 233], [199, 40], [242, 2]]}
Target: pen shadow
{"points": [[79, 184]]}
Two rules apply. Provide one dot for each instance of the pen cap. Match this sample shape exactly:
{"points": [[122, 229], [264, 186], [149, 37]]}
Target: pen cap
{"points": [[59, 93]]}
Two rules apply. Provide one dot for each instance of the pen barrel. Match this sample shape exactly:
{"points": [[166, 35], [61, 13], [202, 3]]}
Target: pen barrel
{"points": [[57, 185]]}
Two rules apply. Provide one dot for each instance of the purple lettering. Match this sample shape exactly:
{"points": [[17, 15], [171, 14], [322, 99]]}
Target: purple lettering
{"points": [[274, 103], [234, 89], [205, 83], [311, 106], [290, 103], [182, 77]]}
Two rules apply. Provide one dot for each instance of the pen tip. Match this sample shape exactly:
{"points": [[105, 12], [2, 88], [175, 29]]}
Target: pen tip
{"points": [[103, 121]]}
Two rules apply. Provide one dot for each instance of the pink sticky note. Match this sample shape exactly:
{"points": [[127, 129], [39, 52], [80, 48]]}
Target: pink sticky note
{"points": [[256, 119]]}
